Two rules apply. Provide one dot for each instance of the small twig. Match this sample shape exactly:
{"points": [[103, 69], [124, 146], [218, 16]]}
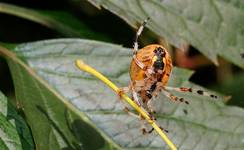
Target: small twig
{"points": [[82, 66]]}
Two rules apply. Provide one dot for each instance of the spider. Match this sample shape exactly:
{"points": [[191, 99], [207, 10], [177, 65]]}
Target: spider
{"points": [[150, 70]]}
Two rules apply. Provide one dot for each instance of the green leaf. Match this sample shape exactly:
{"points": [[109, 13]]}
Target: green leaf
{"points": [[63, 22], [54, 92], [14, 133], [215, 27], [54, 122]]}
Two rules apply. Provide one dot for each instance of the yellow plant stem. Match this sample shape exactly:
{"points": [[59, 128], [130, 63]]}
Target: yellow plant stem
{"points": [[82, 66]]}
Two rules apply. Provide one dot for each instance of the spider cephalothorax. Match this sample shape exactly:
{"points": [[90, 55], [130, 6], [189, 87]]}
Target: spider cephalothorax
{"points": [[158, 59]]}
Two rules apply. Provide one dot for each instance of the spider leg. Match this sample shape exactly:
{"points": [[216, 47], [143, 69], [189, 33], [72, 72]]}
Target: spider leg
{"points": [[127, 110], [150, 106], [136, 98], [145, 131], [138, 33], [123, 90], [190, 90], [141, 119], [126, 89], [138, 62], [143, 127], [135, 47], [173, 97], [150, 109]]}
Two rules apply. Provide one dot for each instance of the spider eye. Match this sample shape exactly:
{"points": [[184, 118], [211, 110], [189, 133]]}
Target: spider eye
{"points": [[162, 54], [159, 52]]}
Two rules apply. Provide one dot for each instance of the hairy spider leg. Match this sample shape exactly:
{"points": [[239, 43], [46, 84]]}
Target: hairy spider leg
{"points": [[135, 46], [138, 33], [190, 90], [173, 97], [143, 127]]}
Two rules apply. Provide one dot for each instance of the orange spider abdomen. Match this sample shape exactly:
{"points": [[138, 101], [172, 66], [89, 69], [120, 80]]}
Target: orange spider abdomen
{"points": [[145, 55]]}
